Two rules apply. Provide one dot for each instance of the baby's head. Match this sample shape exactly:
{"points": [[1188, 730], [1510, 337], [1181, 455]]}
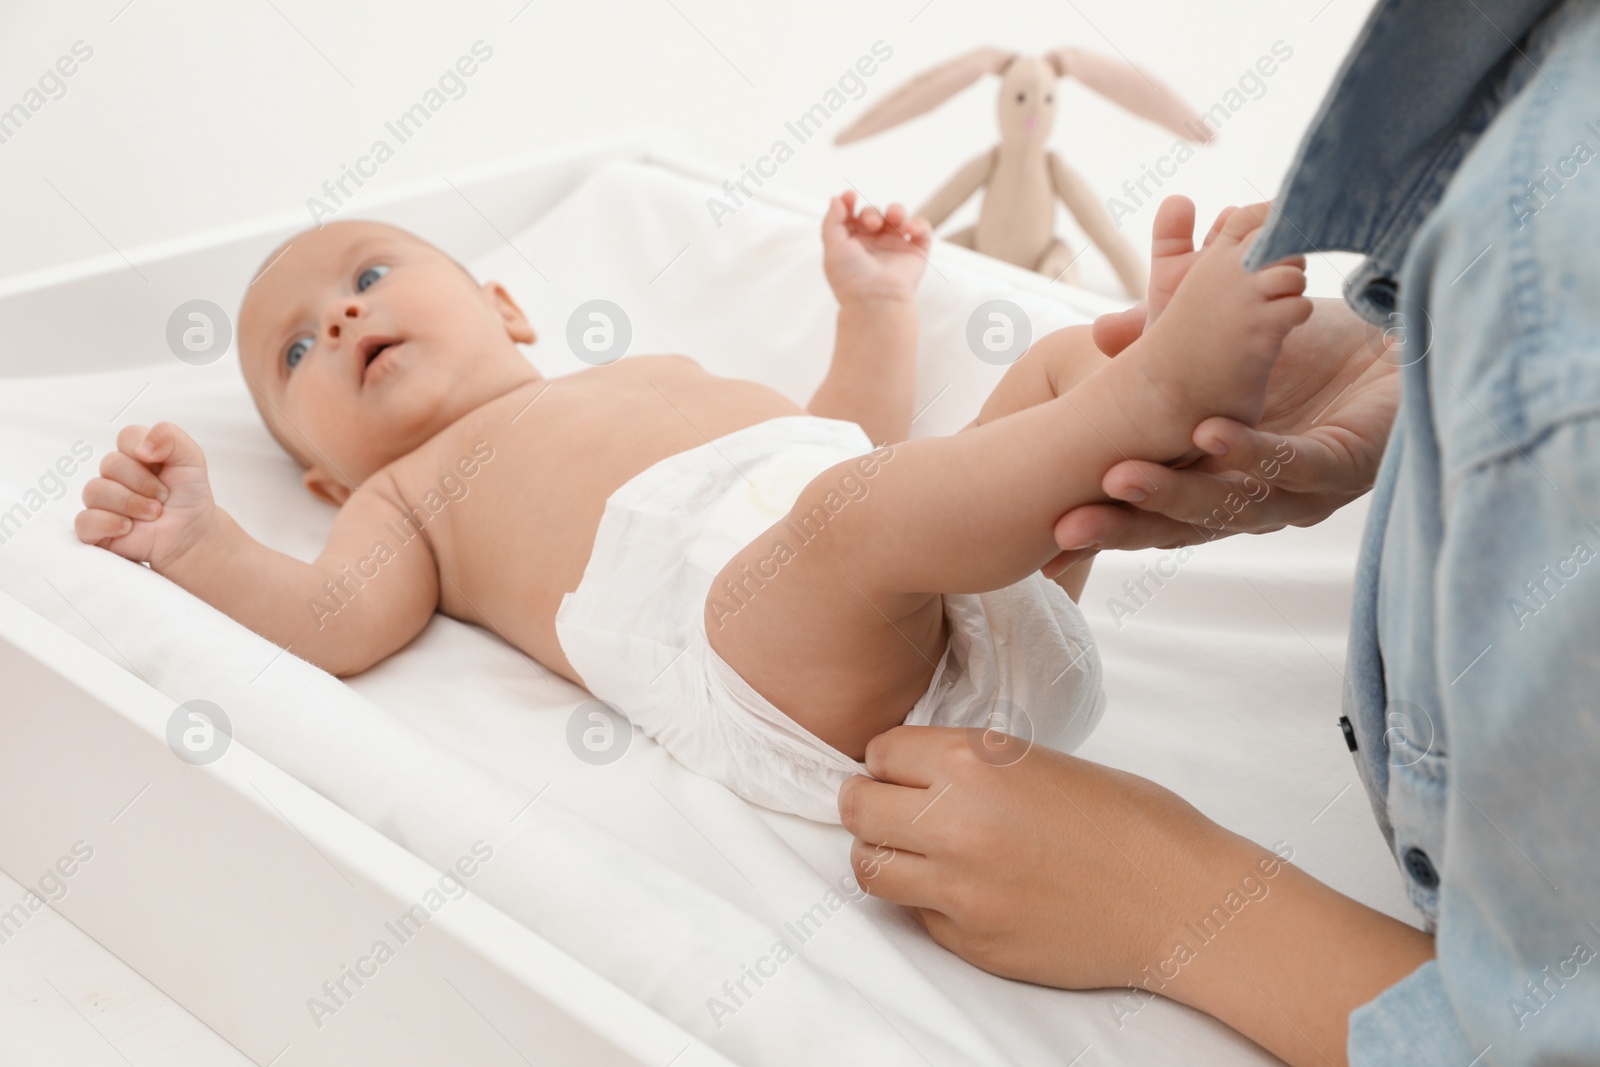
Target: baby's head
{"points": [[360, 341]]}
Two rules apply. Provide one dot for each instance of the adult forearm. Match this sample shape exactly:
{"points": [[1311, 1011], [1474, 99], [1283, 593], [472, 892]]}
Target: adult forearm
{"points": [[1126, 886], [1281, 957]]}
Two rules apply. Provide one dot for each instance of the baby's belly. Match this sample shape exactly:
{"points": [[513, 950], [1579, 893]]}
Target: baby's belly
{"points": [[518, 541]]}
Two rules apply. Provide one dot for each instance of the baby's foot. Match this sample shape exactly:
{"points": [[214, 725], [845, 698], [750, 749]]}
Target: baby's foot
{"points": [[1172, 253], [1172, 250], [1221, 328]]}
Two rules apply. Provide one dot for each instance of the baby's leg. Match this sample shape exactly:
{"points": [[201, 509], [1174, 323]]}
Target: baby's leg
{"points": [[1062, 359], [777, 577], [844, 622], [835, 613], [1053, 365]]}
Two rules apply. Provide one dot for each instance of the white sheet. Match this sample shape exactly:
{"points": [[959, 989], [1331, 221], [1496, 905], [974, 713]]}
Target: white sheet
{"points": [[1224, 688]]}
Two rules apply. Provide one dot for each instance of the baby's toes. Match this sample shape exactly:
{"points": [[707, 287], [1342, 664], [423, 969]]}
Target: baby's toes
{"points": [[1216, 227], [1280, 280], [1245, 221], [1285, 314], [1173, 231]]}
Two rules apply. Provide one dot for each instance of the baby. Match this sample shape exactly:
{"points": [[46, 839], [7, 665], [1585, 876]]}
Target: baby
{"points": [[754, 584]]}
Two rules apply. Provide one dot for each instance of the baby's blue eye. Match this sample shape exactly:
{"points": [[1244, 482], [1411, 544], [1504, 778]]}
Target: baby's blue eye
{"points": [[297, 351], [368, 276]]}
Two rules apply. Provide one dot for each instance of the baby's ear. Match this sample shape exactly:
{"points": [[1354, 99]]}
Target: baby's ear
{"points": [[325, 487], [517, 325]]}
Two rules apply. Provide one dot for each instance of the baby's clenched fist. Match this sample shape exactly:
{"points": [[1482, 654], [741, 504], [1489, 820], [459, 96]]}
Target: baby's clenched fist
{"points": [[152, 501]]}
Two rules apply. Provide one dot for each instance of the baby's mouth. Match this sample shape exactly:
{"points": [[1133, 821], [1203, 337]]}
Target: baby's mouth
{"points": [[371, 350]]}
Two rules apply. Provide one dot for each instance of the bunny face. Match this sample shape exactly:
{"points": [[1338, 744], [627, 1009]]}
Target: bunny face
{"points": [[1027, 104]]}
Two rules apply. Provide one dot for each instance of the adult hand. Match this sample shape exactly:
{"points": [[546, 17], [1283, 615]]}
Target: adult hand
{"points": [[1039, 866], [1331, 401], [1002, 861]]}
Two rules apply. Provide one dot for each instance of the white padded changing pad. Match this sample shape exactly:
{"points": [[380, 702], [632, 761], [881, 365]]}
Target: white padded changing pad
{"points": [[1225, 687]]}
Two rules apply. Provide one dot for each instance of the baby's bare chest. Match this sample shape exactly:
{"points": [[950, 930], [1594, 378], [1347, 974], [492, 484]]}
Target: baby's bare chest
{"points": [[515, 492]]}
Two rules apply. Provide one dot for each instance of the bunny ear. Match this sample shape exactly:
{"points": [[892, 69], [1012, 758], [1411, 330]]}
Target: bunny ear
{"points": [[1131, 88], [925, 92]]}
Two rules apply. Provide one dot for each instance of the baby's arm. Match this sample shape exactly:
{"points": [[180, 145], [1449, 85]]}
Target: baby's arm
{"points": [[873, 262], [352, 607]]}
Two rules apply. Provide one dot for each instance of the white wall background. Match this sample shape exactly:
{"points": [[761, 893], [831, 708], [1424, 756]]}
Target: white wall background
{"points": [[198, 113]]}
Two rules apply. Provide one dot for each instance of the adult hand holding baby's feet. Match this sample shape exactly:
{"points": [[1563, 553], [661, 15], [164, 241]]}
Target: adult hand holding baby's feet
{"points": [[152, 501], [873, 256], [1331, 399], [1211, 350]]}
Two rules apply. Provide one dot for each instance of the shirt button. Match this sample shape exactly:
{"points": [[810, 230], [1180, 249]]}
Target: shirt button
{"points": [[1349, 732], [1420, 867], [1382, 293]]}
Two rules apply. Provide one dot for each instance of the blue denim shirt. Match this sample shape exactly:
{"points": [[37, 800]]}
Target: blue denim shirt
{"points": [[1460, 150]]}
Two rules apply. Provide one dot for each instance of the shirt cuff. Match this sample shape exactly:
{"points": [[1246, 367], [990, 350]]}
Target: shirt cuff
{"points": [[1411, 1022]]}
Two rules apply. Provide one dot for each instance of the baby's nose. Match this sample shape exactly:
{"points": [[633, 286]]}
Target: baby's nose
{"points": [[350, 311]]}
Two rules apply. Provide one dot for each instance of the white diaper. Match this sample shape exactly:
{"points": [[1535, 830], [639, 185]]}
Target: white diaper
{"points": [[1020, 659]]}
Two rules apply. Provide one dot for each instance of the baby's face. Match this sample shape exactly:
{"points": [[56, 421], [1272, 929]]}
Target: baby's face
{"points": [[362, 341]]}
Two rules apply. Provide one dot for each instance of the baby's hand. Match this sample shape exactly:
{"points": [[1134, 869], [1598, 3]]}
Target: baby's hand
{"points": [[152, 501], [873, 256]]}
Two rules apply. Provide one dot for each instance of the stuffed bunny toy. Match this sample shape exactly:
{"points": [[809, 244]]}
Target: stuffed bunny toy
{"points": [[1020, 176]]}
